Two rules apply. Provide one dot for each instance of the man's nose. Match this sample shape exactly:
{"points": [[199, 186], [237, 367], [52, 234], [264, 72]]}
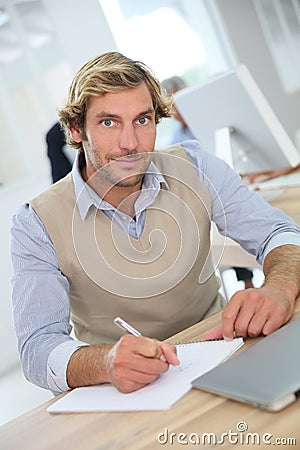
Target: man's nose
{"points": [[127, 138]]}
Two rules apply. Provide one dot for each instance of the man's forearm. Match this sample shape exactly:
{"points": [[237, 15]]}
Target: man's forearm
{"points": [[130, 364], [86, 366], [282, 269]]}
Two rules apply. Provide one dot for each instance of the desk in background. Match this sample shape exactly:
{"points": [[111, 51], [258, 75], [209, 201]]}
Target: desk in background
{"points": [[197, 412], [233, 255]]}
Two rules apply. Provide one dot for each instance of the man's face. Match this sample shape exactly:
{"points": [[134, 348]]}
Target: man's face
{"points": [[119, 136]]}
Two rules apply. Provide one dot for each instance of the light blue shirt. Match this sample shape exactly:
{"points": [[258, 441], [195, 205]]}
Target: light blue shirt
{"points": [[181, 134], [41, 293]]}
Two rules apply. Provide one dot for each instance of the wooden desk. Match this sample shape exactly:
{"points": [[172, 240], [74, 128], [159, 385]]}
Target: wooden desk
{"points": [[197, 412], [289, 202]]}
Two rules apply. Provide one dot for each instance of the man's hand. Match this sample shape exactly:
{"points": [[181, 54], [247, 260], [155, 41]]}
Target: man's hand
{"points": [[264, 310], [252, 312], [130, 364], [134, 362]]}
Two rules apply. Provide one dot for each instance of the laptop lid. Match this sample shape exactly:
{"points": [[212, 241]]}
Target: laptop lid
{"points": [[266, 375]]}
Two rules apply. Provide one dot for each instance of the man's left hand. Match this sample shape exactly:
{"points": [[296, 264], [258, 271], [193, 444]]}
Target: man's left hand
{"points": [[254, 311]]}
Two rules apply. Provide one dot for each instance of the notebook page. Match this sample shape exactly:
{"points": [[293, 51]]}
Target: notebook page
{"points": [[195, 359]]}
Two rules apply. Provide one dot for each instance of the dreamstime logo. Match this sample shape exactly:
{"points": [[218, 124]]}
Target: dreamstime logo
{"points": [[240, 436], [174, 236]]}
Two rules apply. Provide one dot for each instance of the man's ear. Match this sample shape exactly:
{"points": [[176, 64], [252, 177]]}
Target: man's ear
{"points": [[76, 133]]}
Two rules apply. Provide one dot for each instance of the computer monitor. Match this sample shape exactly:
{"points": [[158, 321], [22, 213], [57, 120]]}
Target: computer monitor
{"points": [[231, 117]]}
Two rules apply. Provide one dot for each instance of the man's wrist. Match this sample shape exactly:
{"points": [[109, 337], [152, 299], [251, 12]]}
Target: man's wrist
{"points": [[288, 289], [87, 366]]}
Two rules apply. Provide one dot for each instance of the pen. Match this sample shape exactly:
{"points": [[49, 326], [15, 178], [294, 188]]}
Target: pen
{"points": [[131, 330]]}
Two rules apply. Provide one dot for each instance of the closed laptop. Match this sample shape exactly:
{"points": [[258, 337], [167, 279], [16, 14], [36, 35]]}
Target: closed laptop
{"points": [[266, 375]]}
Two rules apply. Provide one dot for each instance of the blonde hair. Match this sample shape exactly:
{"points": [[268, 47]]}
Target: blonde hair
{"points": [[109, 72]]}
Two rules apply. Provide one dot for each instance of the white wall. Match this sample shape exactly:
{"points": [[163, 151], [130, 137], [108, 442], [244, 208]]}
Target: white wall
{"points": [[250, 47], [81, 28]]}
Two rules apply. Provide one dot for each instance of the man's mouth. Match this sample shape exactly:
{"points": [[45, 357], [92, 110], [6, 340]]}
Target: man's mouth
{"points": [[129, 159]]}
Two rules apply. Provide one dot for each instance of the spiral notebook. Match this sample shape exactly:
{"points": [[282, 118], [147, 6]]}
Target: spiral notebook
{"points": [[196, 358]]}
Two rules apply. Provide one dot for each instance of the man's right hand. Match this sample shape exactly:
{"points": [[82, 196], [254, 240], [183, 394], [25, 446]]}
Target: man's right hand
{"points": [[133, 362], [130, 364]]}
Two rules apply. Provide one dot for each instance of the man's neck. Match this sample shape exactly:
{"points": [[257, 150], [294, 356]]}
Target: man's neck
{"points": [[121, 198]]}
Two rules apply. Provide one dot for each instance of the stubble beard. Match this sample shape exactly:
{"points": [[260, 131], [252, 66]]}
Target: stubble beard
{"points": [[105, 170]]}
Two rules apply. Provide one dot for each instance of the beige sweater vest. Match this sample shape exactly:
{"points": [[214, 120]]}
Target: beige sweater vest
{"points": [[160, 283]]}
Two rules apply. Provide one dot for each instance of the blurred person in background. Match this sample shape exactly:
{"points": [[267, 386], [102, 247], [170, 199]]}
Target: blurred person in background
{"points": [[60, 163]]}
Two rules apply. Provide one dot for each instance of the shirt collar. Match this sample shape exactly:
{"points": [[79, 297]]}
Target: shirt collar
{"points": [[87, 197]]}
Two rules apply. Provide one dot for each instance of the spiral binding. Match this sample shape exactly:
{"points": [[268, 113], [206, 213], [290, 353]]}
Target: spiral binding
{"points": [[204, 341]]}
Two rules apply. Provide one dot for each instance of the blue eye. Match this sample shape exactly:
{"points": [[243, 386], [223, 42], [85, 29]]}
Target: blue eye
{"points": [[143, 120], [107, 122]]}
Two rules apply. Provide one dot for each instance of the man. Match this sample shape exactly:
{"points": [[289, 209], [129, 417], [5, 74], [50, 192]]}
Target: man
{"points": [[127, 233]]}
